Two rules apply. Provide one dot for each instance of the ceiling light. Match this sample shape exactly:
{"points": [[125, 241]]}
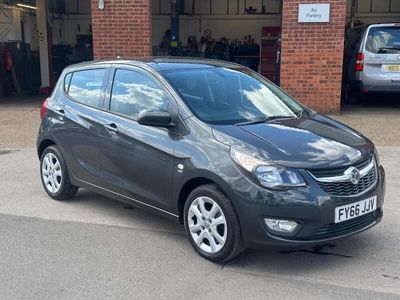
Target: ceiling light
{"points": [[26, 6]]}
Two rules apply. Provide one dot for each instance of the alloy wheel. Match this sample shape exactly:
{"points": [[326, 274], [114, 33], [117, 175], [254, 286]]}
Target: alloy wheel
{"points": [[51, 173], [207, 224]]}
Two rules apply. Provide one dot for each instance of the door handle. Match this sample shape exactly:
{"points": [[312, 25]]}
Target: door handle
{"points": [[60, 112], [111, 127]]}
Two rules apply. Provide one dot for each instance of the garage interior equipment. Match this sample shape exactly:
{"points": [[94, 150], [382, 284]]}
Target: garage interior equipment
{"points": [[44, 36]]}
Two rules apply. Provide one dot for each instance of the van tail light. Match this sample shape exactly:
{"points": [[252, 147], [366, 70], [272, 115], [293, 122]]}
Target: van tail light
{"points": [[43, 108], [359, 62]]}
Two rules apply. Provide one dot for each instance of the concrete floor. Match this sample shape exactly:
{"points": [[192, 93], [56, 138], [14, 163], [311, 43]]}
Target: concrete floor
{"points": [[92, 247]]}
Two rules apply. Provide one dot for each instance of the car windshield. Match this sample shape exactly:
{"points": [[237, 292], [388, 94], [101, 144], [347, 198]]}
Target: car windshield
{"points": [[230, 96], [383, 40]]}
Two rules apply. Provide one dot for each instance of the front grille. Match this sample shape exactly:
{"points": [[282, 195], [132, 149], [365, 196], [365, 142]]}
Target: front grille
{"points": [[336, 183], [348, 188], [339, 171], [338, 229]]}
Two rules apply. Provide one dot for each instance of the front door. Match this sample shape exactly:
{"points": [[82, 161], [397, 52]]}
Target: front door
{"points": [[137, 160]]}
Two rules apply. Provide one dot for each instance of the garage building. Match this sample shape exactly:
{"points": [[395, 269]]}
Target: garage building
{"points": [[299, 47]]}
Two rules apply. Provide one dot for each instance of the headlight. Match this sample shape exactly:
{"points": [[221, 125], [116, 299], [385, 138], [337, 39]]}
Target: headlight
{"points": [[266, 174]]}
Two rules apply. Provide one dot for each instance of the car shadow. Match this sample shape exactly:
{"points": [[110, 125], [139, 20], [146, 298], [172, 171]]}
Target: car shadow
{"points": [[378, 103], [112, 212], [300, 260], [303, 260]]}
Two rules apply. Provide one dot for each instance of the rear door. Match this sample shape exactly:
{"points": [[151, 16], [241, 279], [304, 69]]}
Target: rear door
{"points": [[76, 128], [137, 160], [382, 57]]}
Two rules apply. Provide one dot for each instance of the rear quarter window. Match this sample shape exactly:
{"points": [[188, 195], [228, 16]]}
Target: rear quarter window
{"points": [[67, 81], [85, 86]]}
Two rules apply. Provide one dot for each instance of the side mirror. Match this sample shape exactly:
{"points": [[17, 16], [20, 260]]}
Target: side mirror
{"points": [[156, 118]]}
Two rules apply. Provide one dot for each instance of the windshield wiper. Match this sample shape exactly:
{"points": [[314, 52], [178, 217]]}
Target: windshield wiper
{"points": [[388, 48], [299, 114], [263, 120]]}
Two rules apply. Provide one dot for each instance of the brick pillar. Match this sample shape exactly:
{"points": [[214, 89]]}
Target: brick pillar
{"points": [[312, 56], [122, 28]]}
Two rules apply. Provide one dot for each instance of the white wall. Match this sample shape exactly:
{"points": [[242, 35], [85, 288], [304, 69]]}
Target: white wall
{"points": [[10, 24], [30, 31], [65, 29], [41, 20]]}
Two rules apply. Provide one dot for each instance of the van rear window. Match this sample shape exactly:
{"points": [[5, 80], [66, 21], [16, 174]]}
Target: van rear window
{"points": [[383, 40]]}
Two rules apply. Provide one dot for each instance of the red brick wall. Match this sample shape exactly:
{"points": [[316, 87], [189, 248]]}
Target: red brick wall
{"points": [[312, 55], [122, 28]]}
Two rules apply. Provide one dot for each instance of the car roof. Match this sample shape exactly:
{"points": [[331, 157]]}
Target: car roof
{"points": [[161, 63], [384, 25], [359, 28]]}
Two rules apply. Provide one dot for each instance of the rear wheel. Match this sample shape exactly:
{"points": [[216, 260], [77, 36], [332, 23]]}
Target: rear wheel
{"points": [[54, 175], [211, 224], [348, 95], [351, 96]]}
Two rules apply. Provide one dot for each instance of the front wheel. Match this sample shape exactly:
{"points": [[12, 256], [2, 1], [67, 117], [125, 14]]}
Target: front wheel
{"points": [[211, 224]]}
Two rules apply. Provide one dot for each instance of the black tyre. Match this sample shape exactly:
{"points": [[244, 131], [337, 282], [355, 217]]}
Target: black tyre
{"points": [[211, 224], [349, 96], [54, 175]]}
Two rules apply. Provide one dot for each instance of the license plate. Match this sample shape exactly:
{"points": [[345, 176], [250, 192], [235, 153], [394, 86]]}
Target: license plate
{"points": [[356, 209], [391, 68]]}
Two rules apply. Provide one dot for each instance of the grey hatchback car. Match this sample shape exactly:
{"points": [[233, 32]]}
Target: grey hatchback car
{"points": [[371, 60], [212, 145]]}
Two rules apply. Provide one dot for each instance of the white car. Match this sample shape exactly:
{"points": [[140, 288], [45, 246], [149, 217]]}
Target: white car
{"points": [[371, 60]]}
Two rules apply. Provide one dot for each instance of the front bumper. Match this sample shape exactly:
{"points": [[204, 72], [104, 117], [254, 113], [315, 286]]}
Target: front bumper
{"points": [[311, 207]]}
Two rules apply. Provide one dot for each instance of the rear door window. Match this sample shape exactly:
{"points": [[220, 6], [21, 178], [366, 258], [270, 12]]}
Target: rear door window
{"points": [[85, 86], [133, 92], [383, 40]]}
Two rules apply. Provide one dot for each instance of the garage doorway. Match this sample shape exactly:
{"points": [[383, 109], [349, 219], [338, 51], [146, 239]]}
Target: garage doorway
{"points": [[63, 26], [71, 33], [368, 83], [19, 55], [241, 31]]}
